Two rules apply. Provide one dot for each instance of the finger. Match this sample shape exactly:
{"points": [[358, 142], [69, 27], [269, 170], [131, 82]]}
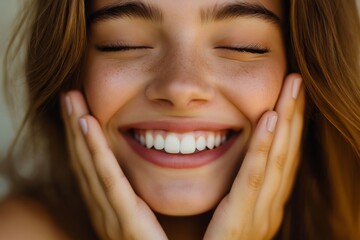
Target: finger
{"points": [[76, 107], [294, 145], [249, 180], [67, 111], [279, 153], [290, 167], [113, 181], [100, 209]]}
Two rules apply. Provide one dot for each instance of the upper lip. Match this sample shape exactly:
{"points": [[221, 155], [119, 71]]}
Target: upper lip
{"points": [[180, 126]]}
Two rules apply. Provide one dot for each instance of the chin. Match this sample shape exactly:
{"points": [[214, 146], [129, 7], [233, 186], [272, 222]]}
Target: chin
{"points": [[186, 194], [183, 206]]}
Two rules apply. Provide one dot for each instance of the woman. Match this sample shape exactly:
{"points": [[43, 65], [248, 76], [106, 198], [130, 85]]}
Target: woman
{"points": [[187, 121]]}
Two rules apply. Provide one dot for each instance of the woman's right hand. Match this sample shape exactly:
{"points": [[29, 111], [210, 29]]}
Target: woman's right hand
{"points": [[116, 211]]}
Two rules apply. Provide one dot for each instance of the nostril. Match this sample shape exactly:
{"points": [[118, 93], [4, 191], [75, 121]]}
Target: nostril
{"points": [[163, 101], [179, 97], [196, 102]]}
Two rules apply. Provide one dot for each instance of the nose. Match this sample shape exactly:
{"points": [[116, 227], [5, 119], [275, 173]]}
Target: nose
{"points": [[181, 83]]}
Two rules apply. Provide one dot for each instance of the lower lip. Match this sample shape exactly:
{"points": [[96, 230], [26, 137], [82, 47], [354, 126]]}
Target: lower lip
{"points": [[179, 161]]}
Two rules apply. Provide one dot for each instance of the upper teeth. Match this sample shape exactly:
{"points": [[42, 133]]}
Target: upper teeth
{"points": [[185, 143]]}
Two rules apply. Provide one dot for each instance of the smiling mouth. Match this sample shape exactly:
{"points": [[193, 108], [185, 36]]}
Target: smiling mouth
{"points": [[181, 143], [180, 146]]}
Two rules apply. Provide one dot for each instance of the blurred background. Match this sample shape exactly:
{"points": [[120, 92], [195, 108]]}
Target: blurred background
{"points": [[8, 10]]}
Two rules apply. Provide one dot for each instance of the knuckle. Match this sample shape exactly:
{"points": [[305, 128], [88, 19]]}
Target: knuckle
{"points": [[260, 152], [107, 183], [288, 116], [279, 161], [255, 180], [263, 147], [94, 151]]}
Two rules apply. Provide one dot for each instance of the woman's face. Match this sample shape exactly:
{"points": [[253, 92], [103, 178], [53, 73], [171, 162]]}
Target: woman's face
{"points": [[178, 88]]}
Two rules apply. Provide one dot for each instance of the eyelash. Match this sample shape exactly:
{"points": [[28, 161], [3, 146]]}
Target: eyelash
{"points": [[254, 49], [119, 48]]}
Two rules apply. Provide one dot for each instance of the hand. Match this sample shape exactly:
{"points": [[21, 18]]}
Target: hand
{"points": [[116, 211], [253, 209]]}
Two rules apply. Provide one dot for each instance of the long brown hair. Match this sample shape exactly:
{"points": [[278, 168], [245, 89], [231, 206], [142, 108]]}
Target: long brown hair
{"points": [[54, 35], [325, 203], [323, 40]]}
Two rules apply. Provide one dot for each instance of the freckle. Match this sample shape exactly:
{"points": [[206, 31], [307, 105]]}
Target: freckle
{"points": [[154, 66]]}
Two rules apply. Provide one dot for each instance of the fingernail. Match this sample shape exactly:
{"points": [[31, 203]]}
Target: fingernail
{"points": [[271, 123], [68, 105], [83, 125], [296, 87]]}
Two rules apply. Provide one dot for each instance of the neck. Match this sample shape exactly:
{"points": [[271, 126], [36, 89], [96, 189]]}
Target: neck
{"points": [[188, 227]]}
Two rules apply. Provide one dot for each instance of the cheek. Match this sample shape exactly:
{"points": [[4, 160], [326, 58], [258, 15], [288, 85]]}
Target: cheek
{"points": [[108, 87], [253, 89]]}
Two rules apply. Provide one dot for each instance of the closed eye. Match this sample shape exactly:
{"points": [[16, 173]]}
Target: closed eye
{"points": [[119, 48], [254, 49]]}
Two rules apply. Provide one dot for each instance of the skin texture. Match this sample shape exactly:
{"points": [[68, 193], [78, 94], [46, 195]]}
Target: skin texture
{"points": [[185, 76]]}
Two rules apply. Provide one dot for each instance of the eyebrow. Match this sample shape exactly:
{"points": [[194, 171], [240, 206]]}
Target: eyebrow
{"points": [[239, 9], [137, 9], [134, 9]]}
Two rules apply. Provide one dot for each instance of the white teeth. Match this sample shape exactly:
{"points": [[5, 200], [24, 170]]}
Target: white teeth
{"points": [[201, 143], [177, 143], [172, 144], [159, 142], [217, 140], [223, 139], [210, 141], [137, 137], [142, 140], [149, 139], [188, 144]]}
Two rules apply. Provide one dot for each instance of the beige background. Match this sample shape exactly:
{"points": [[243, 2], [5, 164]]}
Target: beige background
{"points": [[8, 9]]}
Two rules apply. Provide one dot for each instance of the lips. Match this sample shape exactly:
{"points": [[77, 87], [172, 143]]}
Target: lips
{"points": [[180, 145]]}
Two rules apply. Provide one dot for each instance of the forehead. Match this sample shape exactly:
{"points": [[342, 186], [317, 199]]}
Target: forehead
{"points": [[191, 6]]}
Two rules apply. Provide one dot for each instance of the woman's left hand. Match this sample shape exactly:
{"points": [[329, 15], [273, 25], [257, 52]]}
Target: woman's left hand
{"points": [[253, 209]]}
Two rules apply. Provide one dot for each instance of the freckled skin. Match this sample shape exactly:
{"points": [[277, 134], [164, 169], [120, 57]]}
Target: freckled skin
{"points": [[183, 76]]}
